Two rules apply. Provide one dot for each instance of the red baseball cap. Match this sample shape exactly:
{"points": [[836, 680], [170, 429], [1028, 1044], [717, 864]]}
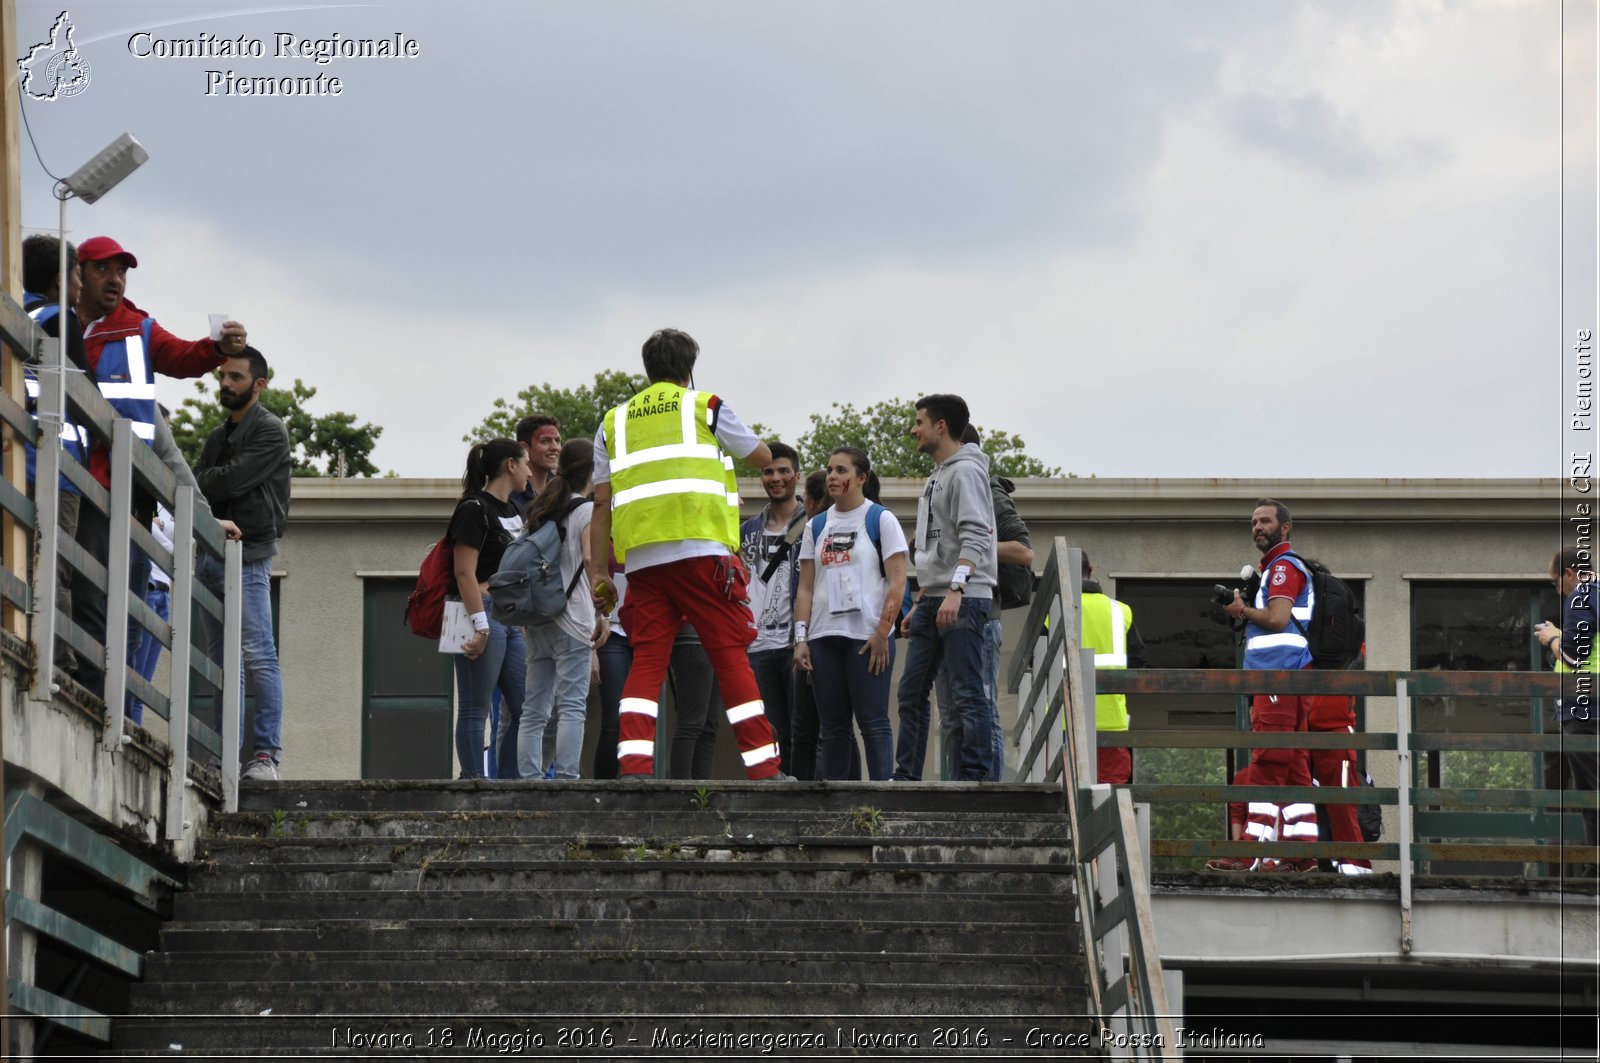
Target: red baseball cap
{"points": [[100, 248]]}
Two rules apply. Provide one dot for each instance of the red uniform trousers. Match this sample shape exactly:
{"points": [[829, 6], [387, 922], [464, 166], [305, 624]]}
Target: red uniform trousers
{"points": [[1266, 821], [660, 598], [1336, 767]]}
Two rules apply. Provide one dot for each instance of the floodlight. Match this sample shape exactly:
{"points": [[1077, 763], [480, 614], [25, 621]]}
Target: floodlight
{"points": [[106, 170]]}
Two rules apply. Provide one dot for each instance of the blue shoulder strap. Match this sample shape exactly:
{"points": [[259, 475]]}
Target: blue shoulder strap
{"points": [[817, 524]]}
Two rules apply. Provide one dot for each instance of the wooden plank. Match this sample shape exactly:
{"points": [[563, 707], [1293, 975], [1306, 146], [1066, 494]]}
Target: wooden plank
{"points": [[16, 541]]}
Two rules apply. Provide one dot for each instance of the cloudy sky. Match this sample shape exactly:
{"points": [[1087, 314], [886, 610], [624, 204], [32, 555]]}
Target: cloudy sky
{"points": [[1216, 238]]}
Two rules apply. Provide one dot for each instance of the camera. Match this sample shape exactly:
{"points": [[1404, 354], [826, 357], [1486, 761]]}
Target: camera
{"points": [[1222, 594]]}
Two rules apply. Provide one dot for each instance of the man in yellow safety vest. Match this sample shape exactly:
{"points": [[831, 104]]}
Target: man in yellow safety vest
{"points": [[666, 498], [1108, 630]]}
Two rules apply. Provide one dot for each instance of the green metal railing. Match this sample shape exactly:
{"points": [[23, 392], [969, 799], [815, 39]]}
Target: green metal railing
{"points": [[29, 583], [1127, 989], [1056, 683]]}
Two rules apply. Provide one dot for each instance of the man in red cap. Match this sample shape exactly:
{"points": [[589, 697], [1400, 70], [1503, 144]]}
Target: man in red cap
{"points": [[125, 348]]}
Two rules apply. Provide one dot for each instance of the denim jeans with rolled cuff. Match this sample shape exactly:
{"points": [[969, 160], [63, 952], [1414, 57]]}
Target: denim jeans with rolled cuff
{"points": [[258, 651], [503, 665], [950, 723]]}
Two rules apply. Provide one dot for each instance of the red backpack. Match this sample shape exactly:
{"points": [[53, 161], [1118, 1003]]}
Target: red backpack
{"points": [[425, 606]]}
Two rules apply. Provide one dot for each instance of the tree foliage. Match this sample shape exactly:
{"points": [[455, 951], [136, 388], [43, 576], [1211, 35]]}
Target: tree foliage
{"points": [[882, 430], [316, 443], [578, 409]]}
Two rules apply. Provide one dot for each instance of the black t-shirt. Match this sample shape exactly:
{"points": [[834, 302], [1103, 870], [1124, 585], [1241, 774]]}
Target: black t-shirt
{"points": [[488, 525]]}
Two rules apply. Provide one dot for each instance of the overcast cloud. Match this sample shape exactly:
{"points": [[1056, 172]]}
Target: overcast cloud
{"points": [[1155, 239]]}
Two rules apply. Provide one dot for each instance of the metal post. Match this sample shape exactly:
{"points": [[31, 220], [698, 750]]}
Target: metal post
{"points": [[119, 562], [47, 512], [1088, 736], [183, 565], [1402, 699], [232, 671]]}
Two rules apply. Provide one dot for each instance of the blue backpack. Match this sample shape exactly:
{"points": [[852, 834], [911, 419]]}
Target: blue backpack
{"points": [[526, 589], [875, 534]]}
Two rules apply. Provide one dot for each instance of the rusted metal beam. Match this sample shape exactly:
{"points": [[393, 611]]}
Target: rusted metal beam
{"points": [[1309, 681]]}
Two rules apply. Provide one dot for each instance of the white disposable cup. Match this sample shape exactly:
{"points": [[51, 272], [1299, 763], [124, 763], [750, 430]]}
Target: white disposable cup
{"points": [[217, 321]]}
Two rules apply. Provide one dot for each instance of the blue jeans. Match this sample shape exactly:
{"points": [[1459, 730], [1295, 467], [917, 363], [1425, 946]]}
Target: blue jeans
{"points": [[558, 692], [960, 649], [503, 665], [846, 687], [616, 657], [774, 671], [260, 654], [950, 723], [159, 598]]}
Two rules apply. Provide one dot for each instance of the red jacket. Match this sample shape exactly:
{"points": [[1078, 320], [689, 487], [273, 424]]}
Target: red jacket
{"points": [[167, 354]]}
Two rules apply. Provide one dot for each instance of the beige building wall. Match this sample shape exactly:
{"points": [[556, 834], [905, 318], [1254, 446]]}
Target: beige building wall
{"points": [[1391, 532]]}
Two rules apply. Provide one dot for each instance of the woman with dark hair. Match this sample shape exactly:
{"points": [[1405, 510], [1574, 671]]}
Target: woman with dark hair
{"points": [[561, 652], [482, 526], [852, 581]]}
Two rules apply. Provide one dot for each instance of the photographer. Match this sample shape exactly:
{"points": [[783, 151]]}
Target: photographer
{"points": [[1273, 641]]}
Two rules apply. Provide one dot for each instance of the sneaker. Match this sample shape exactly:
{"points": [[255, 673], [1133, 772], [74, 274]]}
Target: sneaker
{"points": [[261, 768], [1300, 866], [1230, 863], [780, 777]]}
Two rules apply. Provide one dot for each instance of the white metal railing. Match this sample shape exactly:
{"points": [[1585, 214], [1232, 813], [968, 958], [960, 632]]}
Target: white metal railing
{"points": [[1052, 676], [134, 466]]}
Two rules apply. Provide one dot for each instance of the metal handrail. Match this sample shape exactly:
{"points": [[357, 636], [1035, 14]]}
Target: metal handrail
{"points": [[133, 466], [1127, 988]]}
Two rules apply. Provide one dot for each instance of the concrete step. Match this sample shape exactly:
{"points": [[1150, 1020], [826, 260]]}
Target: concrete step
{"points": [[223, 855], [494, 795], [939, 880], [462, 934], [256, 908], [673, 965], [394, 997], [783, 827], [543, 1034]]}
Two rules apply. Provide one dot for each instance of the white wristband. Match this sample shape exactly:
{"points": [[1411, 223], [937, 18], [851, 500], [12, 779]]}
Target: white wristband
{"points": [[959, 577], [801, 627], [480, 621]]}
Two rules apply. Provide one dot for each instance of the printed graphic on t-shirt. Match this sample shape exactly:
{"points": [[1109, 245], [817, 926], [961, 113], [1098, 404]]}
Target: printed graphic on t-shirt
{"points": [[775, 599], [512, 525], [837, 546]]}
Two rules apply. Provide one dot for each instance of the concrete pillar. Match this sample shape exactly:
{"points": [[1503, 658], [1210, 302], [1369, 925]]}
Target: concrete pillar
{"points": [[24, 875]]}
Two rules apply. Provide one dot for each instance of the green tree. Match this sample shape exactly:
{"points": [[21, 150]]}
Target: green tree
{"points": [[317, 443], [882, 430], [578, 409]]}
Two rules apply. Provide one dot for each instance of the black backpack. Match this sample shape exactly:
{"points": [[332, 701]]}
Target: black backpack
{"points": [[1338, 630]]}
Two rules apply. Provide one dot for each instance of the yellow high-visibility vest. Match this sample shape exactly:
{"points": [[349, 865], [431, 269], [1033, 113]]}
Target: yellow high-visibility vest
{"points": [[1105, 629], [670, 480]]}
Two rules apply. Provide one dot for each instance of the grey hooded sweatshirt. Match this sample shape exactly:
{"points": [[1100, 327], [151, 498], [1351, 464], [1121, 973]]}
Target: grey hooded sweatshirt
{"points": [[955, 519]]}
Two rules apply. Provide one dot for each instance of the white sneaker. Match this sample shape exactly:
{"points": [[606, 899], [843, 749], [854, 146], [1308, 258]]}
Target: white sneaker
{"points": [[261, 767]]}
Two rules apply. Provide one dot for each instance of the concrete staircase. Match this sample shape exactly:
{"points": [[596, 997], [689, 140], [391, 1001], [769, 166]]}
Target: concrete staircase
{"points": [[611, 919]]}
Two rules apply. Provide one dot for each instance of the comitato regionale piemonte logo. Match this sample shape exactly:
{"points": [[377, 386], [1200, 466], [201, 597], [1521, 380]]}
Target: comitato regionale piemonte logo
{"points": [[54, 69]]}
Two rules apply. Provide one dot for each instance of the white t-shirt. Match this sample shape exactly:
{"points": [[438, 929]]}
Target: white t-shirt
{"points": [[770, 602], [734, 438], [848, 590], [577, 619]]}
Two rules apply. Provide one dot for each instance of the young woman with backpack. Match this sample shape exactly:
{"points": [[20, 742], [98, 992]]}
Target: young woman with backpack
{"points": [[852, 583], [561, 652], [483, 524]]}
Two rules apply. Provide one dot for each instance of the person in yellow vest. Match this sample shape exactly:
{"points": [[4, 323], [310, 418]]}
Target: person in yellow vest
{"points": [[1108, 630], [666, 498], [1577, 651]]}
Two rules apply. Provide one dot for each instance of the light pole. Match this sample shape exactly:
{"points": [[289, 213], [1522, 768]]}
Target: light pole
{"points": [[89, 182]]}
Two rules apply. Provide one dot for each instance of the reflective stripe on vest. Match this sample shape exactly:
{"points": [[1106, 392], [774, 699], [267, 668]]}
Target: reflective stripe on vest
{"points": [[1286, 649], [134, 396], [74, 437], [670, 480], [1105, 627]]}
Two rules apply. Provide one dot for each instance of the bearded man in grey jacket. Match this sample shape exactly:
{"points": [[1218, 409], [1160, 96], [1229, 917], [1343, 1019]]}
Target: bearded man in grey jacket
{"points": [[957, 569]]}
